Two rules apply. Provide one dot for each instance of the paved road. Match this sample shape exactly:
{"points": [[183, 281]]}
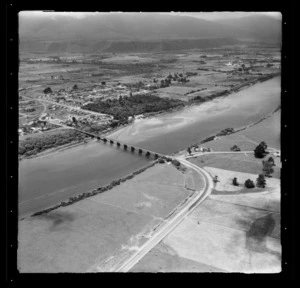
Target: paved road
{"points": [[195, 200]]}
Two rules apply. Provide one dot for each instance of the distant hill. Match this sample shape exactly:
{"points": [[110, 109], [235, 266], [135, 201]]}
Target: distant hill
{"points": [[118, 32], [257, 27]]}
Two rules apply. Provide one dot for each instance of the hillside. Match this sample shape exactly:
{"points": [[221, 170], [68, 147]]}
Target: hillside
{"points": [[117, 32], [256, 27]]}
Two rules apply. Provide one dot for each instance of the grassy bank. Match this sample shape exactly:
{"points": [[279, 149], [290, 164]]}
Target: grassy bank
{"points": [[114, 183], [96, 191], [225, 133]]}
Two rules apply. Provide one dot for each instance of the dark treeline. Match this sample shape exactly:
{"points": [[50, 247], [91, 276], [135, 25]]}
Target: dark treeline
{"points": [[127, 106], [34, 145]]}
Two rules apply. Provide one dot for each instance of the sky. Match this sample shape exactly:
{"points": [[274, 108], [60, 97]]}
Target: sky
{"points": [[202, 15]]}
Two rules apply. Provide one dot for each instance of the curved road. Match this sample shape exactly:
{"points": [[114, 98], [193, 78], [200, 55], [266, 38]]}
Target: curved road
{"points": [[195, 200]]}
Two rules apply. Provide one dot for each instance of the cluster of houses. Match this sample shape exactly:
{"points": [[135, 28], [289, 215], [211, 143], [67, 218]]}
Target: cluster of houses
{"points": [[36, 126], [200, 149]]}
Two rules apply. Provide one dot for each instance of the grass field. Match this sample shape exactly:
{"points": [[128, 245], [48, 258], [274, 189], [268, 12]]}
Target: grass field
{"points": [[267, 130], [111, 225], [233, 230], [236, 162]]}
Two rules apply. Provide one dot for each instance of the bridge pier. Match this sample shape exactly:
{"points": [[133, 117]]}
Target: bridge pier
{"points": [[147, 154], [140, 151], [155, 156], [111, 142], [132, 148], [118, 144], [105, 140], [125, 146]]}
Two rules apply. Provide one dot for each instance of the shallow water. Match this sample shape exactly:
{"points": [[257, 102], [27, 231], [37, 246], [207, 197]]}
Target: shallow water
{"points": [[171, 132], [51, 179]]}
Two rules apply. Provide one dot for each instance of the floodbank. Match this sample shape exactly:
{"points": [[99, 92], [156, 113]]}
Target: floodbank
{"points": [[95, 191], [225, 132], [114, 183]]}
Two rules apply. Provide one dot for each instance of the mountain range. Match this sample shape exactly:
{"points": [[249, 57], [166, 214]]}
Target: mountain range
{"points": [[126, 32]]}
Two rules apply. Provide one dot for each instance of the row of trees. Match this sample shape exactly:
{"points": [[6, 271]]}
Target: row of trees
{"points": [[33, 145], [260, 182]]}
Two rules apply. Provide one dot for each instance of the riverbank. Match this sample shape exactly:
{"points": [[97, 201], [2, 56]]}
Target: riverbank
{"points": [[105, 188], [56, 149], [102, 230], [217, 136], [150, 116]]}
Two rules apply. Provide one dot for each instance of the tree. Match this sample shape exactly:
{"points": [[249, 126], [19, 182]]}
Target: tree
{"points": [[216, 179], [261, 181], [259, 151], [267, 168], [235, 182], [249, 183], [264, 145], [74, 120], [189, 150], [47, 90], [75, 87], [271, 160]]}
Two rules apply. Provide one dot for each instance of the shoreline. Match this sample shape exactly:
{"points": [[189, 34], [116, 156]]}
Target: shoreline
{"points": [[235, 130], [118, 181], [57, 149], [92, 192], [154, 114]]}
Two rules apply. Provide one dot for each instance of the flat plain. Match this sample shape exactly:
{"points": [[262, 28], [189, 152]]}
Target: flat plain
{"points": [[98, 232]]}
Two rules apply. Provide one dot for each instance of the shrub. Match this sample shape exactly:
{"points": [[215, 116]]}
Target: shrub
{"points": [[176, 163], [235, 148], [47, 90], [267, 168], [249, 183], [235, 182]]}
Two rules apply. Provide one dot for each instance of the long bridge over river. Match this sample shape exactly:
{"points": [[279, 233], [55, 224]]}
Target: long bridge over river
{"points": [[125, 146], [132, 148]]}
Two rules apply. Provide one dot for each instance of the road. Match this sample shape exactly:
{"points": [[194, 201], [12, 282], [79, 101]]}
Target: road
{"points": [[192, 204], [66, 106], [195, 200], [72, 107], [270, 149]]}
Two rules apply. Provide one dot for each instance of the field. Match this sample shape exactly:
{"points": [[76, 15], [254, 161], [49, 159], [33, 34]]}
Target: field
{"points": [[267, 130], [233, 230], [95, 234], [110, 76], [240, 162]]}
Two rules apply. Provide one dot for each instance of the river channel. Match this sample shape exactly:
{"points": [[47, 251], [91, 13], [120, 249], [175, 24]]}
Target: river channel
{"points": [[45, 181]]}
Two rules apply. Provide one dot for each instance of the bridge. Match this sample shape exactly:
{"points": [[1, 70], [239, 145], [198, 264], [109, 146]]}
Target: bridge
{"points": [[125, 146]]}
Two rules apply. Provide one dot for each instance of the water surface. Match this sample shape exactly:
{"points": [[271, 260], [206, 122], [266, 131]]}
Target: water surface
{"points": [[51, 179]]}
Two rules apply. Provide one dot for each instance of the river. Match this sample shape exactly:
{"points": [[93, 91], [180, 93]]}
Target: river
{"points": [[45, 181]]}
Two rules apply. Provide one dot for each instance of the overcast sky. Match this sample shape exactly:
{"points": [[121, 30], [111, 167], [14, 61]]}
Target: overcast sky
{"points": [[201, 15]]}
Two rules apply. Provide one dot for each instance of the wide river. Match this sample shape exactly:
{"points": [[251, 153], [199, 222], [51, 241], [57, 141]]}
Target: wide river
{"points": [[47, 180]]}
